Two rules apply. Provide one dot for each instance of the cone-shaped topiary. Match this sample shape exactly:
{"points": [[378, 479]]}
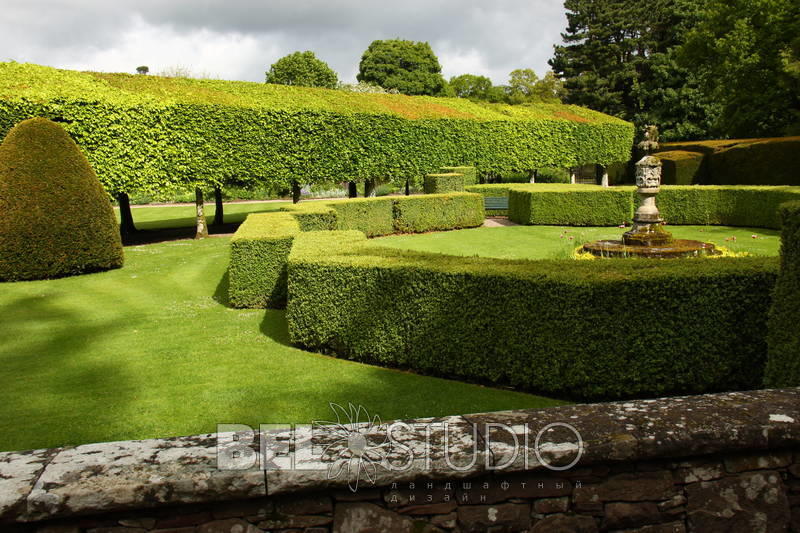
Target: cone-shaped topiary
{"points": [[55, 218]]}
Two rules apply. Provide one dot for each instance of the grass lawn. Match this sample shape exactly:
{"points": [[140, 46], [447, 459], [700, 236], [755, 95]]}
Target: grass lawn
{"points": [[182, 216], [548, 242], [151, 350]]}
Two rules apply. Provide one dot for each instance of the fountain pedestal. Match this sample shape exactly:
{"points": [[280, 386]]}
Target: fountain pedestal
{"points": [[648, 229], [647, 237]]}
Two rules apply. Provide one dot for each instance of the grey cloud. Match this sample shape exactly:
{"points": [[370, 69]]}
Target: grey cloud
{"points": [[501, 35]]}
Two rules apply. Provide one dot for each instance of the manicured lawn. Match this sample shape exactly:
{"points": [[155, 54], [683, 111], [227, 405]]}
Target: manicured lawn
{"points": [[548, 242], [151, 350], [183, 216]]}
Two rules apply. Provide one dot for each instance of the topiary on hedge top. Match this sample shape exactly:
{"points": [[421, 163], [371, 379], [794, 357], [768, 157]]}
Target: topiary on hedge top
{"points": [[55, 218], [783, 337]]}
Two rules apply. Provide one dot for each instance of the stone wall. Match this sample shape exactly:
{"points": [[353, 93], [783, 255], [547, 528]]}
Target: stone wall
{"points": [[725, 462]]}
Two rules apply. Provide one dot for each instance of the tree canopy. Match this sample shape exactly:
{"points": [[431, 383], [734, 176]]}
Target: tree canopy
{"points": [[303, 69], [745, 54], [407, 66], [697, 69]]}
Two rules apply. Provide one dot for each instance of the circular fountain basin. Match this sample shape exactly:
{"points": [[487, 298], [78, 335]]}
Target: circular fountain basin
{"points": [[674, 249]]}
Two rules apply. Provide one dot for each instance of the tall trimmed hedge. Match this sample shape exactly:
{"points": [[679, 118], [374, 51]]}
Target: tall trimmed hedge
{"points": [[564, 329], [150, 133], [260, 247], [565, 205], [769, 161], [55, 218], [683, 168], [783, 363]]}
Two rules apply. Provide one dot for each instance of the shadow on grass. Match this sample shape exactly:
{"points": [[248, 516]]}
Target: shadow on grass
{"points": [[152, 236], [45, 372], [221, 291], [275, 326]]}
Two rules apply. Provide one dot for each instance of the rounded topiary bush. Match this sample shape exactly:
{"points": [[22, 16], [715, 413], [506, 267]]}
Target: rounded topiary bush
{"points": [[55, 218]]}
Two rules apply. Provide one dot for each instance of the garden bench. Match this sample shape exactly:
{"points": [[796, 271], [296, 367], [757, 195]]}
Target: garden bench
{"points": [[495, 202]]}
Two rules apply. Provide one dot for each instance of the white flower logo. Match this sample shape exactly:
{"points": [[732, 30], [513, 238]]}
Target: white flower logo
{"points": [[352, 447]]}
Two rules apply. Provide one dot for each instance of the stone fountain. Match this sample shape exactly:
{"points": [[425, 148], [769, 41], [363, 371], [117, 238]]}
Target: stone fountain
{"points": [[647, 237]]}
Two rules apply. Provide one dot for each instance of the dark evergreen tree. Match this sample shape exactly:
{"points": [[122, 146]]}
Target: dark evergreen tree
{"points": [[619, 57]]}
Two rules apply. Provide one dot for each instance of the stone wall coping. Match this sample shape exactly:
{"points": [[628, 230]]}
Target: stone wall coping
{"points": [[126, 475]]}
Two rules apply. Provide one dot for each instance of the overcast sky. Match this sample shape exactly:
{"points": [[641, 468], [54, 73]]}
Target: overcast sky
{"points": [[239, 39]]}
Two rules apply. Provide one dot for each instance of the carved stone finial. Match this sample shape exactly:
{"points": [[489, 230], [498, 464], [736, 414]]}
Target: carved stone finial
{"points": [[650, 142]]}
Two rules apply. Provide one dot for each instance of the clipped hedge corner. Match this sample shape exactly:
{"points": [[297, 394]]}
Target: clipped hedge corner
{"points": [[260, 248]]}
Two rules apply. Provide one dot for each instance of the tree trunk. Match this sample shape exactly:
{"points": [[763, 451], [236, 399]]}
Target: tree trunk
{"points": [[219, 215], [296, 192], [126, 225], [202, 227], [352, 189], [532, 176], [604, 176], [369, 188], [481, 179], [408, 188], [573, 175]]}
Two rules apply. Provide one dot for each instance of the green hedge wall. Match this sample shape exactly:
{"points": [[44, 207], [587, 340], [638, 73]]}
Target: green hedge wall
{"points": [[443, 183], [470, 173], [373, 216], [564, 327], [260, 247], [729, 206], [768, 161], [783, 363], [147, 133], [683, 168], [259, 252], [435, 212], [570, 205]]}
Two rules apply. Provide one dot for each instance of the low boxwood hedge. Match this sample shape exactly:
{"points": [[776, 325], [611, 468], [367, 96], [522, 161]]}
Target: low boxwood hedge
{"points": [[783, 363], [373, 216], [443, 183], [749, 206], [570, 205], [435, 212], [568, 328], [260, 248]]}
